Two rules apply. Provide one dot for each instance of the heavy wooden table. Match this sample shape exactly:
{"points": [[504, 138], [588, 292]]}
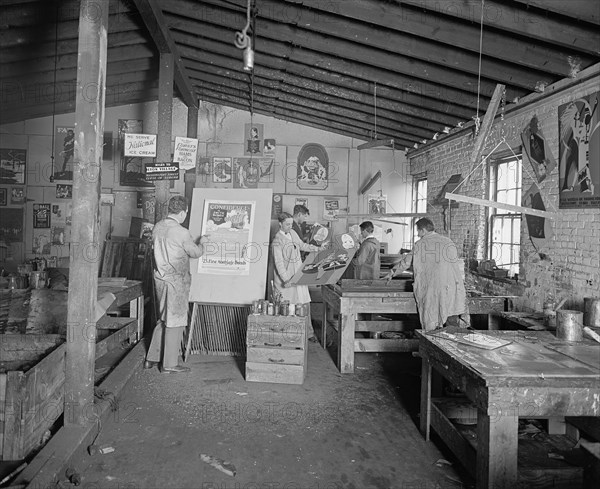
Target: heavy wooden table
{"points": [[536, 375], [355, 297], [129, 292]]}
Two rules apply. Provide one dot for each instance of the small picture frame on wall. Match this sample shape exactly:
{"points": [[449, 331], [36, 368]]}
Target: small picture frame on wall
{"points": [[221, 170], [64, 191], [12, 165], [3, 196], [17, 196]]}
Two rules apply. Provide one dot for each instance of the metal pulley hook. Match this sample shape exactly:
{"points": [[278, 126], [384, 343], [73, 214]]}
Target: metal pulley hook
{"points": [[242, 40]]}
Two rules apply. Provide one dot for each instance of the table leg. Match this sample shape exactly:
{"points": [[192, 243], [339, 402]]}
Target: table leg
{"points": [[497, 443], [136, 310], [324, 326], [346, 342], [425, 416]]}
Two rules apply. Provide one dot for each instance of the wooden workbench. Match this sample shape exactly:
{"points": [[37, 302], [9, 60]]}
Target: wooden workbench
{"points": [[534, 376], [355, 297]]}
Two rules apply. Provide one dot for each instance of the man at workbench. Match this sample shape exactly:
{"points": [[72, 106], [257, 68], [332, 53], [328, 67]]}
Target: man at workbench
{"points": [[173, 248], [438, 278], [366, 261]]}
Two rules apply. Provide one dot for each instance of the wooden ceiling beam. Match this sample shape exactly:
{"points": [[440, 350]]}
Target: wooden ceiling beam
{"points": [[157, 26], [277, 54], [387, 99], [352, 58], [516, 18], [581, 10], [429, 25], [282, 113], [69, 61], [63, 47], [333, 28], [315, 99], [263, 95]]}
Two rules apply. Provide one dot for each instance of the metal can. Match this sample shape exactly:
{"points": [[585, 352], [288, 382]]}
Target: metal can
{"points": [[284, 308], [271, 309], [300, 310], [264, 306], [292, 310], [256, 307]]}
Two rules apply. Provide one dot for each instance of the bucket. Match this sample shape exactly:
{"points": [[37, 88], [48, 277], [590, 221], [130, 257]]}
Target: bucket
{"points": [[591, 311], [569, 325]]}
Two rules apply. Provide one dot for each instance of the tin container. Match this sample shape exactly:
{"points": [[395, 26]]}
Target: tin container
{"points": [[292, 310], [256, 307], [264, 306], [37, 279], [569, 325], [271, 309], [300, 310], [284, 308]]}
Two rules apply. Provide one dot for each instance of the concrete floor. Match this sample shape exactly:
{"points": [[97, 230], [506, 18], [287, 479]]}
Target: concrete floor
{"points": [[356, 431]]}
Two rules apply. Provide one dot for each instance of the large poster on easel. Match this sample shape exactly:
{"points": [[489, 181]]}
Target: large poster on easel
{"points": [[233, 269]]}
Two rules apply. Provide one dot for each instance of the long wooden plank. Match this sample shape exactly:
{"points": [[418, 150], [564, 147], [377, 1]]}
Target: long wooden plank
{"points": [[500, 205], [385, 345]]}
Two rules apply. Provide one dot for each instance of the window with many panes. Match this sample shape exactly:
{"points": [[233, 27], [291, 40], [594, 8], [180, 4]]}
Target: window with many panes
{"points": [[419, 198], [504, 225]]}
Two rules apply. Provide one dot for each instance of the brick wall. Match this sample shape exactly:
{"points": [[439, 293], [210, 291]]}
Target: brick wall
{"points": [[568, 265]]}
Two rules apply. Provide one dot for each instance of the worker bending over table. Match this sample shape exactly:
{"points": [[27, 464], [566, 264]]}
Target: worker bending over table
{"points": [[438, 287], [366, 261]]}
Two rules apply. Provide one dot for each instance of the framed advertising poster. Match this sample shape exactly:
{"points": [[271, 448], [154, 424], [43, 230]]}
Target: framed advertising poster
{"points": [[131, 167], [221, 170], [64, 152], [12, 165], [41, 216], [313, 167], [253, 135], [579, 153]]}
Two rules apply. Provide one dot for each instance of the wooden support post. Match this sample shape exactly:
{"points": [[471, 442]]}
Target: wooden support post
{"points": [[165, 121], [85, 246]]}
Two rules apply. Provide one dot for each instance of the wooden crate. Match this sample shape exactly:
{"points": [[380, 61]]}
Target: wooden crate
{"points": [[32, 377], [276, 349], [31, 391]]}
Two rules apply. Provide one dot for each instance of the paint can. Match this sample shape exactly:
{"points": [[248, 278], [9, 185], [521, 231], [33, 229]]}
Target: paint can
{"points": [[37, 279], [591, 311], [569, 325]]}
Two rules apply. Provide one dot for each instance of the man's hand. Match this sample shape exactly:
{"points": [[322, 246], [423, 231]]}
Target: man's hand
{"points": [[388, 278]]}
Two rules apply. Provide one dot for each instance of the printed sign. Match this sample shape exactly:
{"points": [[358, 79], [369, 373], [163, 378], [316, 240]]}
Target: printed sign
{"points": [[41, 215], [162, 171], [186, 150], [141, 145]]}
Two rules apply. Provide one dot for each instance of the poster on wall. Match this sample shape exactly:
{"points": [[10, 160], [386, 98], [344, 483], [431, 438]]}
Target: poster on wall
{"points": [[64, 151], [42, 241], [64, 191], [41, 216], [131, 167], [221, 169], [277, 207], [579, 153], [537, 150], [11, 225], [313, 167], [253, 136], [246, 173], [302, 201], [17, 196], [330, 209], [267, 170], [229, 227], [3, 196], [377, 204], [269, 148], [12, 165], [59, 230], [142, 145], [538, 228], [186, 151]]}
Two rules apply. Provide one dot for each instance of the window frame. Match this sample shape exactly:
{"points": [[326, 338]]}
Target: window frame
{"points": [[417, 179], [495, 215]]}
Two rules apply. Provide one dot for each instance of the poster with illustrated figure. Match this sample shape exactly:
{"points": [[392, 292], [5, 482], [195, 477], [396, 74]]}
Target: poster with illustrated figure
{"points": [[228, 224], [313, 167], [253, 136], [538, 228], [579, 153], [64, 152], [537, 150], [221, 167]]}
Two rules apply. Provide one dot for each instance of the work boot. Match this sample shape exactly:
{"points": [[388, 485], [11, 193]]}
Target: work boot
{"points": [[148, 364], [177, 369]]}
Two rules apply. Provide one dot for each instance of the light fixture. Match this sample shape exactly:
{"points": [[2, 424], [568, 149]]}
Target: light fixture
{"points": [[248, 57], [243, 41]]}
